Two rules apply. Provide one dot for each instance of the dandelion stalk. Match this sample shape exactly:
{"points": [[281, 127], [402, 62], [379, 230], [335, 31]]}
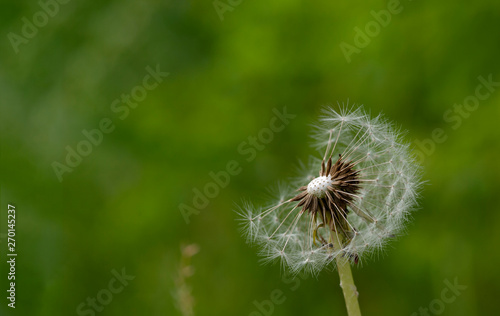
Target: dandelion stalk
{"points": [[346, 280]]}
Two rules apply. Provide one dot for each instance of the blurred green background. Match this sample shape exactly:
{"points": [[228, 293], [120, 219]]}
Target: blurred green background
{"points": [[119, 207]]}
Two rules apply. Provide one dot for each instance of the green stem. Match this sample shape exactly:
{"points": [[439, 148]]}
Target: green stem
{"points": [[346, 280]]}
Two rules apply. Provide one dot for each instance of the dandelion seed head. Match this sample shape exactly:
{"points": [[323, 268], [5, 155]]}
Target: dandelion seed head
{"points": [[361, 191]]}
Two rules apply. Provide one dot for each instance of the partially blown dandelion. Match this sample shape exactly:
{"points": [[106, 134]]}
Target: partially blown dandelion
{"points": [[367, 185]]}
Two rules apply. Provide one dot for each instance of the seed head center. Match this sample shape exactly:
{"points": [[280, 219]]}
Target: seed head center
{"points": [[319, 185]]}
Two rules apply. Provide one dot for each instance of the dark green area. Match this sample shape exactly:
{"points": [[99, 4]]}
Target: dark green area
{"points": [[119, 207]]}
